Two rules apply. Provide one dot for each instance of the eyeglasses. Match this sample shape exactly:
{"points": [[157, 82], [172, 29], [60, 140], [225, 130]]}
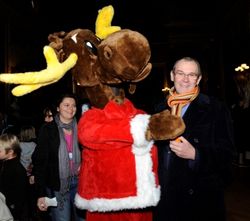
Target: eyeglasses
{"points": [[191, 76]]}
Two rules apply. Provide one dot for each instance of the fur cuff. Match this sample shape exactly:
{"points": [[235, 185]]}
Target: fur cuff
{"points": [[139, 125]]}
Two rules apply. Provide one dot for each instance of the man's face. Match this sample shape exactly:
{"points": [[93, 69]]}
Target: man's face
{"points": [[185, 76]]}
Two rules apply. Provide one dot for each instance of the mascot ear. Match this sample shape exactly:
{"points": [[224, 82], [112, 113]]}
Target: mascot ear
{"points": [[144, 73]]}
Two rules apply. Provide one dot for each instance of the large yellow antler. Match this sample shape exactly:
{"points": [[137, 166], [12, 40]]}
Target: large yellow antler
{"points": [[103, 22], [31, 81]]}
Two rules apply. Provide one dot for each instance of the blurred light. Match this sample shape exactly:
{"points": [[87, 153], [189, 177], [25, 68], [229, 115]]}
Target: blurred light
{"points": [[32, 4], [242, 67], [166, 89]]}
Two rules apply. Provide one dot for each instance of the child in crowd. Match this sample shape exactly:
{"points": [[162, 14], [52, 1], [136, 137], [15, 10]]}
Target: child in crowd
{"points": [[28, 145], [13, 178]]}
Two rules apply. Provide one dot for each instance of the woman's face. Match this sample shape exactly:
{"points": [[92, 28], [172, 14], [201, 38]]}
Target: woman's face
{"points": [[48, 117], [67, 109], [185, 76]]}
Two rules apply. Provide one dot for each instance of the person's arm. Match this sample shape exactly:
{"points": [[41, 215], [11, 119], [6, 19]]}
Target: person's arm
{"points": [[5, 213], [17, 190], [40, 161]]}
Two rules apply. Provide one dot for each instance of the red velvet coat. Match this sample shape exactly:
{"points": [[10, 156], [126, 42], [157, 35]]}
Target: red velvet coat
{"points": [[119, 165]]}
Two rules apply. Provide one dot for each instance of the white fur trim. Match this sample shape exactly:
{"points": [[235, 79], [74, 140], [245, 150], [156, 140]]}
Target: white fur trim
{"points": [[148, 193], [138, 129]]}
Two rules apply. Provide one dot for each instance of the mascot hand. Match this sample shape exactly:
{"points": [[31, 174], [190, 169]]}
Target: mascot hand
{"points": [[163, 126]]}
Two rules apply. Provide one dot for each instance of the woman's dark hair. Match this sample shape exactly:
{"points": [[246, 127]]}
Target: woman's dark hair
{"points": [[66, 95], [47, 111]]}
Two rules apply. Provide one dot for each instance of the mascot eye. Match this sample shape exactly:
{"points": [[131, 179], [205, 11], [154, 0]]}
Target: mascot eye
{"points": [[91, 47]]}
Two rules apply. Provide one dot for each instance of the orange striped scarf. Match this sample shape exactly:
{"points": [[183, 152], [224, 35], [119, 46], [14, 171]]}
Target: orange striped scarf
{"points": [[177, 101]]}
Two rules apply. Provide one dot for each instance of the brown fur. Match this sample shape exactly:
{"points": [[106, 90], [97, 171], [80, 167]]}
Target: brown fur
{"points": [[123, 57]]}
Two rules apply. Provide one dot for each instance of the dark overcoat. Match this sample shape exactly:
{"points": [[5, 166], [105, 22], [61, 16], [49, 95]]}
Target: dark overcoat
{"points": [[45, 159], [193, 190]]}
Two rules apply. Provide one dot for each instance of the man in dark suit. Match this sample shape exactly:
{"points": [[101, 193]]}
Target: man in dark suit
{"points": [[195, 168]]}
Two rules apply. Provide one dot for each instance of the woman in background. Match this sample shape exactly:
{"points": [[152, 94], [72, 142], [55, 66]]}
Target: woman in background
{"points": [[47, 114], [57, 161]]}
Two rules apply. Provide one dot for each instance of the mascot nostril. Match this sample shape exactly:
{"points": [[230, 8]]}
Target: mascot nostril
{"points": [[118, 176]]}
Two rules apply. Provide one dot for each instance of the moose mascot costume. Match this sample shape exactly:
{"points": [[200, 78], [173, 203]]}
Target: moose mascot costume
{"points": [[118, 176]]}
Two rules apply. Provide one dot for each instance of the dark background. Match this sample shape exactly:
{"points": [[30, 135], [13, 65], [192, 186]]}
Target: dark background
{"points": [[216, 32]]}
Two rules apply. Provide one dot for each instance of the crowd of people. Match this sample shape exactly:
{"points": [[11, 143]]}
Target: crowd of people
{"points": [[39, 165], [194, 169]]}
